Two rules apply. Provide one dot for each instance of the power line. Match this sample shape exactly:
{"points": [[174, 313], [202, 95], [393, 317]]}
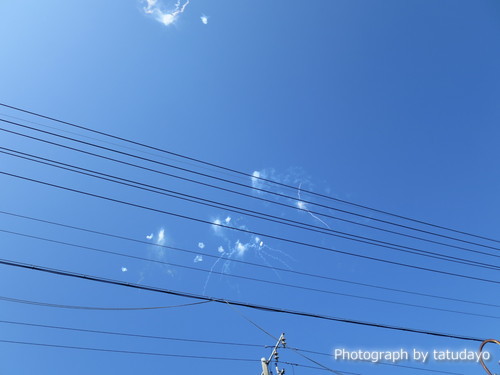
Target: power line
{"points": [[149, 288], [188, 356], [79, 307], [323, 277], [382, 363], [296, 242], [181, 339], [272, 336], [301, 351], [248, 278], [181, 161], [198, 341], [232, 182], [246, 174], [317, 368], [134, 335], [253, 196], [251, 213]]}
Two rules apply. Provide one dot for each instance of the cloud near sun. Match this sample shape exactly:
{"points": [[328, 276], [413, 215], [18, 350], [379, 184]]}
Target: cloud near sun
{"points": [[155, 9]]}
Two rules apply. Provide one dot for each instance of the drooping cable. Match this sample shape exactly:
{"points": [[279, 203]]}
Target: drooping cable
{"points": [[239, 261]]}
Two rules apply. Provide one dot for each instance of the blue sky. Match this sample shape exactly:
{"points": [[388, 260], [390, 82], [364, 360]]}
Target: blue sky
{"points": [[389, 104]]}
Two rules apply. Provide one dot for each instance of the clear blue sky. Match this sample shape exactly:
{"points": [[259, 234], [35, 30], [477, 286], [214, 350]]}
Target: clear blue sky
{"points": [[390, 104]]}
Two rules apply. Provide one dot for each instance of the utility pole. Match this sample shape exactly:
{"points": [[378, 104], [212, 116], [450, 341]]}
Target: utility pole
{"points": [[274, 356]]}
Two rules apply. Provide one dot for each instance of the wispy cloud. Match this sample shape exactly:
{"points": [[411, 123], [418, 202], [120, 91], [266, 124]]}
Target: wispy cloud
{"points": [[160, 240], [258, 241], [241, 248], [256, 182], [124, 269], [204, 19], [292, 176], [217, 226], [198, 259], [302, 206], [166, 17]]}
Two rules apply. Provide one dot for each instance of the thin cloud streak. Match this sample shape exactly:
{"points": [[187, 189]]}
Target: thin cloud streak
{"points": [[167, 18]]}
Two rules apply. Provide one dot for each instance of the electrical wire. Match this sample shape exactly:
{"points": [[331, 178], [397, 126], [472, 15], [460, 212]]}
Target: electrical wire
{"points": [[247, 212], [248, 278], [77, 307], [199, 341], [232, 182], [246, 174], [316, 368], [188, 356], [275, 338], [155, 289], [239, 261], [281, 204], [181, 161], [381, 363], [296, 242], [127, 334]]}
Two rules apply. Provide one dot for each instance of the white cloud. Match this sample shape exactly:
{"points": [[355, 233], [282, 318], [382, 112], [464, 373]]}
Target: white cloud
{"points": [[161, 237], [220, 249], [255, 179], [241, 248], [261, 243], [198, 258], [302, 206], [216, 226], [165, 17], [201, 245], [204, 19], [228, 219], [150, 237], [160, 240], [150, 5], [124, 269]]}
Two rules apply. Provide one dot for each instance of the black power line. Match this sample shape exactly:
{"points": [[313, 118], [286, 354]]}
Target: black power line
{"points": [[149, 288], [239, 261], [279, 340], [98, 308], [143, 336], [187, 356], [248, 278], [247, 212], [236, 183], [134, 335], [296, 242], [380, 363], [246, 174]]}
